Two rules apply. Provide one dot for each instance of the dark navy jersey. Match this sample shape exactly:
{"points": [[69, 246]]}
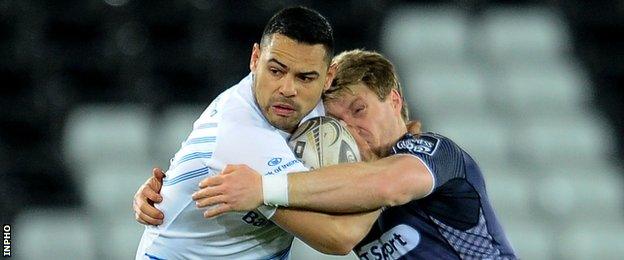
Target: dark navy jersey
{"points": [[455, 221]]}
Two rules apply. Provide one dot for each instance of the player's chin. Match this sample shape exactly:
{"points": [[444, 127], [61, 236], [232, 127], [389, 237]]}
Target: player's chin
{"points": [[286, 123]]}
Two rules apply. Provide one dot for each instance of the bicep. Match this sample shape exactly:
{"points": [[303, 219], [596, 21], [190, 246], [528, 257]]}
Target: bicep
{"points": [[406, 178], [420, 175]]}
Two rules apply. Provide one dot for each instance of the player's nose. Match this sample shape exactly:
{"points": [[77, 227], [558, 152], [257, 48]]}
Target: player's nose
{"points": [[287, 88]]}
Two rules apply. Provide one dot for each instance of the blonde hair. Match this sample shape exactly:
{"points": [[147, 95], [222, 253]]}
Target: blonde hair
{"points": [[368, 67]]}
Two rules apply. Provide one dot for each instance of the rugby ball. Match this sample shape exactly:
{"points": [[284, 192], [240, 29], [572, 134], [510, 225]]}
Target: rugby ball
{"points": [[323, 141]]}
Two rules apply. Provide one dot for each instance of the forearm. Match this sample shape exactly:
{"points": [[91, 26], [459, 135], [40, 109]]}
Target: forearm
{"points": [[338, 188], [329, 234], [359, 187]]}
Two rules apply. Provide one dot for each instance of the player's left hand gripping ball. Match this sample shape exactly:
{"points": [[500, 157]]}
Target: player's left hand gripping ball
{"points": [[237, 188]]}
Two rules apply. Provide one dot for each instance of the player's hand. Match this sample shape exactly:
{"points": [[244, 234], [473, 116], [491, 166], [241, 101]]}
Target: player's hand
{"points": [[414, 127], [144, 199], [237, 188]]}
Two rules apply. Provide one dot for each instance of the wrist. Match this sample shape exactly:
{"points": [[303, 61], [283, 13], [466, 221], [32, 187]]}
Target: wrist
{"points": [[275, 190]]}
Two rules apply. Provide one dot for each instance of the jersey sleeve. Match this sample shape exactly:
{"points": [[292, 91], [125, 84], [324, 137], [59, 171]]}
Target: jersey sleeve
{"points": [[442, 157], [262, 149]]}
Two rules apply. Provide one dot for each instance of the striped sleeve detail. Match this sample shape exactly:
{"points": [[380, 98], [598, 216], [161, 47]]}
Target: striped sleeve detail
{"points": [[186, 176], [207, 125], [195, 155], [201, 140]]}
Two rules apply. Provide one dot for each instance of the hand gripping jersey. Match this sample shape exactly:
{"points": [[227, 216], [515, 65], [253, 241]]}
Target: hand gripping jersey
{"points": [[455, 221], [232, 130]]}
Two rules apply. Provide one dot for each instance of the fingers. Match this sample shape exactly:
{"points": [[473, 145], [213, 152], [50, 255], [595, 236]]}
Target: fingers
{"points": [[158, 174], [206, 192], [152, 194], [218, 179], [414, 127], [137, 213], [150, 211], [231, 168], [210, 201], [145, 213], [218, 210], [211, 181], [147, 220]]}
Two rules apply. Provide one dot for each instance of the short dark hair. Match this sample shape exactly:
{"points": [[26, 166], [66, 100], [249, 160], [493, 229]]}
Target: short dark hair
{"points": [[303, 25]]}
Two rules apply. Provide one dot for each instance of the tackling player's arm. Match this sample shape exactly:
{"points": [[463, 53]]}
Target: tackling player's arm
{"points": [[330, 234], [363, 186], [335, 234], [342, 188]]}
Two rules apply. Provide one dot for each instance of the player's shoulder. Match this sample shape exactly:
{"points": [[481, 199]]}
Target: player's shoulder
{"points": [[423, 143], [231, 99], [243, 131]]}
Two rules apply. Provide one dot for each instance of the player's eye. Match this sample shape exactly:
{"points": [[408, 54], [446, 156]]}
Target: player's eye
{"points": [[359, 110], [307, 79], [275, 72]]}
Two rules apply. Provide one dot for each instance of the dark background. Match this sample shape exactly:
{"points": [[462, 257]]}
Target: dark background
{"points": [[57, 55]]}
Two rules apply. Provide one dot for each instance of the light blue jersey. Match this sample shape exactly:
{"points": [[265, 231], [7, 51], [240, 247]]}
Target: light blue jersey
{"points": [[232, 130]]}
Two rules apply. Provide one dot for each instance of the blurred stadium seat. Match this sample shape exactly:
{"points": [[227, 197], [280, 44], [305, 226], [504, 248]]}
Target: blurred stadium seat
{"points": [[108, 188], [108, 192], [563, 141], [540, 90], [531, 239], [592, 240], [423, 34], [109, 145], [174, 126], [440, 89], [573, 193], [511, 195], [527, 34], [53, 233], [105, 134], [485, 138], [122, 238]]}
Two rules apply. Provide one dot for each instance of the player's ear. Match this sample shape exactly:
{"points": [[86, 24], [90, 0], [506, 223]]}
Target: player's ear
{"points": [[331, 73], [255, 56], [397, 101]]}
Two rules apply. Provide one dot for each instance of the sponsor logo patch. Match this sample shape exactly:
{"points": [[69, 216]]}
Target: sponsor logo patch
{"points": [[422, 144], [282, 167], [392, 244], [274, 161]]}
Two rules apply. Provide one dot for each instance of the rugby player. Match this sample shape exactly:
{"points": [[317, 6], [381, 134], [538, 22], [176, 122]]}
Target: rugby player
{"points": [[250, 123], [432, 192]]}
